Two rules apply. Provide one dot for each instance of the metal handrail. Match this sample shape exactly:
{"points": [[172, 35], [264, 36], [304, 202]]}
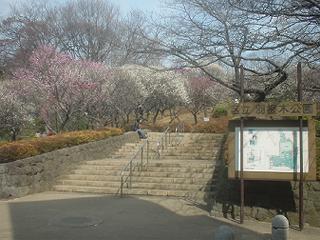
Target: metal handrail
{"points": [[162, 144], [131, 167]]}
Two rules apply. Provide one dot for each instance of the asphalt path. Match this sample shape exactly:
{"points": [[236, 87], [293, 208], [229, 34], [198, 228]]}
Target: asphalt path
{"points": [[59, 216]]}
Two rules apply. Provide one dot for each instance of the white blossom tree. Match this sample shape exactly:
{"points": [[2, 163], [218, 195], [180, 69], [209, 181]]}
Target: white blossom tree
{"points": [[160, 89], [13, 115]]}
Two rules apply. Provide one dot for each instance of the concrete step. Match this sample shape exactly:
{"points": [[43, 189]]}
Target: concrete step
{"points": [[170, 180], [192, 149], [181, 164], [172, 159], [107, 162], [169, 193], [91, 177], [106, 168], [205, 175], [134, 185], [186, 169], [96, 172], [111, 171], [206, 139], [174, 153], [168, 160], [187, 157], [85, 189], [88, 183], [177, 180], [171, 186], [202, 136], [200, 195], [184, 146]]}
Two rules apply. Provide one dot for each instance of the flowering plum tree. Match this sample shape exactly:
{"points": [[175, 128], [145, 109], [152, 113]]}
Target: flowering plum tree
{"points": [[199, 95], [125, 97], [12, 115], [202, 92], [160, 90], [63, 90]]}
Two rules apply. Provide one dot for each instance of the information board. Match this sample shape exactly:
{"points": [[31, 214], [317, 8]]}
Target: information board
{"points": [[271, 149]]}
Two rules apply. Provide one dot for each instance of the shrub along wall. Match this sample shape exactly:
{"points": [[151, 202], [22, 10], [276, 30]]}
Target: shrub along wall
{"points": [[215, 125], [38, 173], [27, 148]]}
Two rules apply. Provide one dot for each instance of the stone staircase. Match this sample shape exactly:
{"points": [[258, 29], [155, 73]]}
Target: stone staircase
{"points": [[185, 170]]}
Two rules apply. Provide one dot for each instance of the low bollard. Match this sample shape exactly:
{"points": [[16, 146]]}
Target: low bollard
{"points": [[280, 228], [224, 233]]}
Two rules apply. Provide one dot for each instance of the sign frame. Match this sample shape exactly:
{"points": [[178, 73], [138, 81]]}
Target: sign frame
{"points": [[233, 173]]}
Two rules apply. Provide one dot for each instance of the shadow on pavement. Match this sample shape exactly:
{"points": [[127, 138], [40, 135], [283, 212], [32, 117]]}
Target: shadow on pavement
{"points": [[108, 218]]}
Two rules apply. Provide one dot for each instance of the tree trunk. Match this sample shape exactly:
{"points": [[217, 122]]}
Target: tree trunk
{"points": [[64, 123], [195, 117], [155, 117], [13, 135], [172, 114], [116, 122], [162, 113]]}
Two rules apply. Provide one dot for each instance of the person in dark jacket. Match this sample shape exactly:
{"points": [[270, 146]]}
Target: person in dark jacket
{"points": [[137, 128]]}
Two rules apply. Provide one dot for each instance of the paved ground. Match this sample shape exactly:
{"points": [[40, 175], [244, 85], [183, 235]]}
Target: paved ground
{"points": [[70, 216]]}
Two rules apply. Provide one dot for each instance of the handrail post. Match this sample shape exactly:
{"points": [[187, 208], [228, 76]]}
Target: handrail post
{"points": [[162, 146], [121, 186], [141, 158], [130, 175], [177, 136], [166, 139], [147, 152], [158, 149]]}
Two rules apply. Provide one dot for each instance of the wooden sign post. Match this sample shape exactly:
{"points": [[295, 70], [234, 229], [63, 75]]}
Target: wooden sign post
{"points": [[301, 209], [272, 149], [241, 147]]}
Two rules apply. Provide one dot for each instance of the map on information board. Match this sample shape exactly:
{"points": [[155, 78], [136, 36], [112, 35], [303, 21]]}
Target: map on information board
{"points": [[272, 149]]}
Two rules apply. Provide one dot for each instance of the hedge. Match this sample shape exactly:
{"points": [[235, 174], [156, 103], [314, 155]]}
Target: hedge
{"points": [[215, 125], [12, 151]]}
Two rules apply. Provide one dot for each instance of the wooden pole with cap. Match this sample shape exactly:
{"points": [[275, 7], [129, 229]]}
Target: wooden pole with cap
{"points": [[241, 147], [301, 208]]}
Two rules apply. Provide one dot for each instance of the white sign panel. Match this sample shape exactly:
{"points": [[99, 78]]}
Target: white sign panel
{"points": [[270, 149]]}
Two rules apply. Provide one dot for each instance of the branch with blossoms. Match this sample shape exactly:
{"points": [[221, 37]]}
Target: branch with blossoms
{"points": [[62, 89]]}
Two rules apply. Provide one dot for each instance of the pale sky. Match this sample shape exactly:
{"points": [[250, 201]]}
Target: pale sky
{"points": [[125, 5], [144, 5], [4, 7]]}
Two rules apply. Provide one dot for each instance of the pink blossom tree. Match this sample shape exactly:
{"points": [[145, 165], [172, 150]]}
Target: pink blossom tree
{"points": [[202, 92], [61, 89], [199, 95]]}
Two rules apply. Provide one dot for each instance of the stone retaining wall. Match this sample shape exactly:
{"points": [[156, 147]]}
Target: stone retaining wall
{"points": [[38, 173]]}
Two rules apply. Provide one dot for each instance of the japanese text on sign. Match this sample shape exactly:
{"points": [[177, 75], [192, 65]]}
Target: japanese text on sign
{"points": [[253, 109]]}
